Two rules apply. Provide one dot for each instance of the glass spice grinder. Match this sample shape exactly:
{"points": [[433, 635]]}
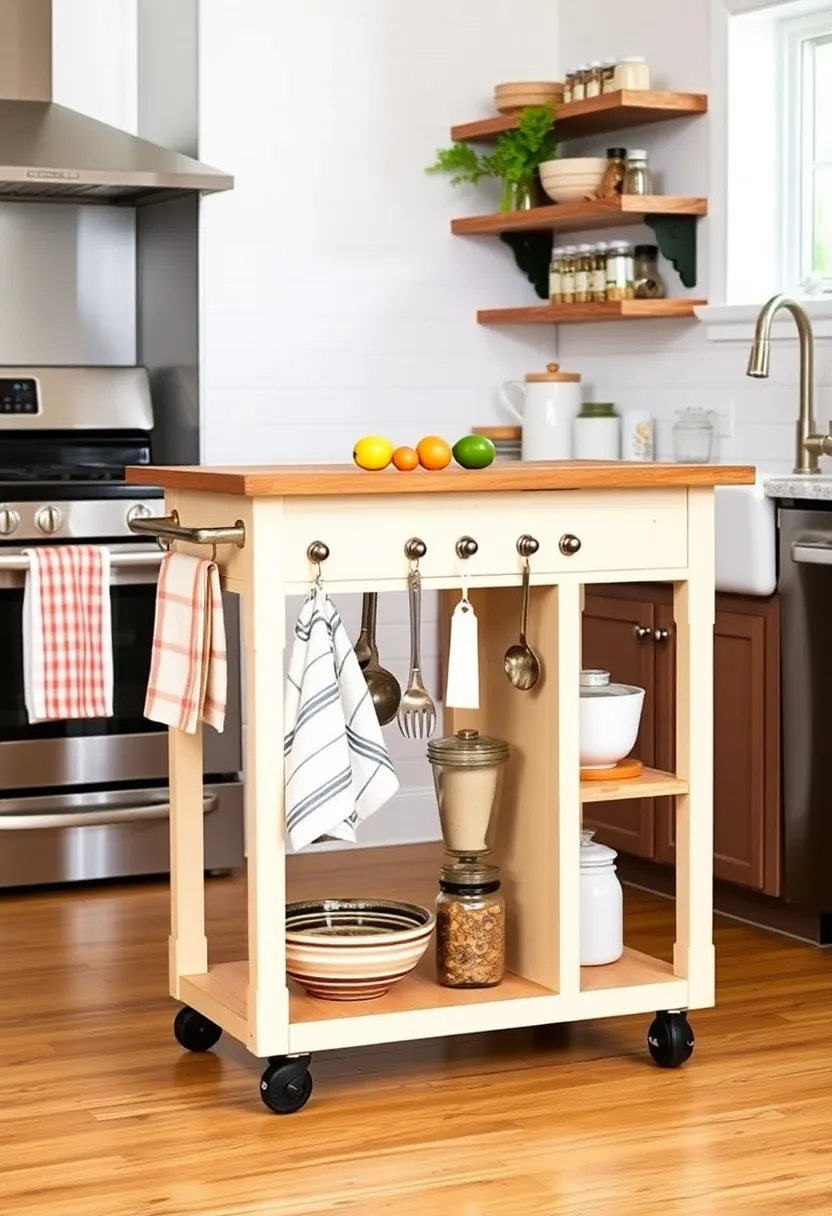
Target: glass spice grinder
{"points": [[467, 776]]}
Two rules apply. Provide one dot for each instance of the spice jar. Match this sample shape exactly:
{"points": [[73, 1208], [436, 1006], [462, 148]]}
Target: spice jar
{"points": [[693, 435], [637, 179], [579, 82], [470, 927], [598, 279], [567, 275], [467, 776], [592, 84], [608, 76], [568, 86], [601, 905], [583, 274], [647, 282], [620, 269], [613, 179], [554, 276], [632, 73], [596, 432]]}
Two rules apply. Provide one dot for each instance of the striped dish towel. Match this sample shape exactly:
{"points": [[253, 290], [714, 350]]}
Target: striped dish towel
{"points": [[67, 634], [337, 768], [189, 668]]}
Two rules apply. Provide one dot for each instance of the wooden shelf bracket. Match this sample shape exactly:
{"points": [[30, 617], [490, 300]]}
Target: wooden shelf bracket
{"points": [[676, 238], [533, 254]]}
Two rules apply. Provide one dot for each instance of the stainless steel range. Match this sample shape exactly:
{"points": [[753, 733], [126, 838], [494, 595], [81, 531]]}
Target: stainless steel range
{"points": [[88, 799]]}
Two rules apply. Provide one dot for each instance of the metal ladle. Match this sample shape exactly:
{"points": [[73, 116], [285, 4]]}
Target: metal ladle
{"points": [[521, 663], [382, 684]]}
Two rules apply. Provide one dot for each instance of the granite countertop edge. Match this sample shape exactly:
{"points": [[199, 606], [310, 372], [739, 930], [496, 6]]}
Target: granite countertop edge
{"points": [[784, 485]]}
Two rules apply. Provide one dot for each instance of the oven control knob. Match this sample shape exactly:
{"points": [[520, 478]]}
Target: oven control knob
{"points": [[49, 520], [9, 521], [137, 511]]}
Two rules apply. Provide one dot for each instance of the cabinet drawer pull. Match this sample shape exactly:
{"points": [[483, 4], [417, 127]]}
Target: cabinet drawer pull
{"points": [[661, 635], [643, 632], [569, 545]]}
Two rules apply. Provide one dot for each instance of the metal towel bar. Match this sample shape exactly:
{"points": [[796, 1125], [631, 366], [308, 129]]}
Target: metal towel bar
{"points": [[168, 528]]}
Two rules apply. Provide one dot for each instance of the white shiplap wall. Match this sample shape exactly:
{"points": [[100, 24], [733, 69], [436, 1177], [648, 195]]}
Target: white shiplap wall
{"points": [[335, 301]]}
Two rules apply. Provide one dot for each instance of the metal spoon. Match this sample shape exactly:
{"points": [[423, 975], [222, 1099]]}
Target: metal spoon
{"points": [[521, 663], [362, 646], [382, 684]]}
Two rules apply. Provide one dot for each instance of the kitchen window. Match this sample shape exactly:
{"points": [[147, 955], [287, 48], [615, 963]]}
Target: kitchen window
{"points": [[804, 53]]}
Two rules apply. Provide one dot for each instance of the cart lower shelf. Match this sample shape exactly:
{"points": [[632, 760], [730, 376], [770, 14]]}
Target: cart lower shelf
{"points": [[419, 1008]]}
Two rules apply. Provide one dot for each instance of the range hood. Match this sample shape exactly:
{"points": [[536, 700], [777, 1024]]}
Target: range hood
{"points": [[51, 153]]}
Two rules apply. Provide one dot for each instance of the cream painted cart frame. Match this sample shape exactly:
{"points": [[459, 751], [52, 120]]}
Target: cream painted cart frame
{"points": [[653, 534]]}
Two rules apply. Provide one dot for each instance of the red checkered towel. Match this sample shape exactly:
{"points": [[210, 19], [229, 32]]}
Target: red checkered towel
{"points": [[67, 634], [188, 671]]}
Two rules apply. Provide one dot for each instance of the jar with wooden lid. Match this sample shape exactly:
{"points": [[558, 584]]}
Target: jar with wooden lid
{"points": [[608, 76], [567, 274], [583, 273], [598, 278], [592, 84], [579, 82], [470, 926]]}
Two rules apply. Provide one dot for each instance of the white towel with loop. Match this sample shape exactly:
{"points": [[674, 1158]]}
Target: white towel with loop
{"points": [[337, 768]]}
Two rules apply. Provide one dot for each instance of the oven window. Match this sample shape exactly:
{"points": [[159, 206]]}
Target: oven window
{"points": [[133, 612]]}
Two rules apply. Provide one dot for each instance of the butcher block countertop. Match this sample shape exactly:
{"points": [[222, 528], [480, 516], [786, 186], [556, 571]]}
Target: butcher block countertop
{"points": [[317, 480]]}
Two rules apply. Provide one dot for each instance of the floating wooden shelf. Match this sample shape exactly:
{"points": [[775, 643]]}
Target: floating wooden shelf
{"points": [[581, 216], [609, 310], [651, 784], [612, 112]]}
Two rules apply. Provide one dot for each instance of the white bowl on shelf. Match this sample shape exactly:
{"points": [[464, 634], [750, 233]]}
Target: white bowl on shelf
{"points": [[609, 718], [572, 178]]}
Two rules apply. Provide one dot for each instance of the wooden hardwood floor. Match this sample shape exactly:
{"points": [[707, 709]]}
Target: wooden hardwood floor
{"points": [[102, 1114]]}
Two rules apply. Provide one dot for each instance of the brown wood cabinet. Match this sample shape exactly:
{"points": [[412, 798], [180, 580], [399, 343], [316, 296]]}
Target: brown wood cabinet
{"points": [[628, 630]]}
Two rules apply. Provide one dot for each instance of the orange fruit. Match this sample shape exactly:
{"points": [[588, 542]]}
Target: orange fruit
{"points": [[434, 453], [406, 459]]}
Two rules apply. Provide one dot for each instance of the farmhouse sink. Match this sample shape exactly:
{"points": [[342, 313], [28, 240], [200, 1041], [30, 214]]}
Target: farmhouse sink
{"points": [[746, 540]]}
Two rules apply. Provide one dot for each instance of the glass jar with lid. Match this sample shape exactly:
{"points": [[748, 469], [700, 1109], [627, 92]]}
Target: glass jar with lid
{"points": [[613, 179], [583, 274], [648, 284], [592, 84], [693, 436], [554, 276], [637, 177], [579, 82], [620, 268], [632, 72], [598, 280], [567, 274], [467, 776], [608, 76], [470, 926], [568, 86]]}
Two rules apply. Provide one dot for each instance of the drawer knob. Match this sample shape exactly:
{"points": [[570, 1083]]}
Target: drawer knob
{"points": [[466, 547], [661, 635], [643, 632], [569, 545], [415, 549], [317, 552], [527, 546]]}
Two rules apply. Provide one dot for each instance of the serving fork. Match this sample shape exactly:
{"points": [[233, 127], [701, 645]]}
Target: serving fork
{"points": [[417, 712]]}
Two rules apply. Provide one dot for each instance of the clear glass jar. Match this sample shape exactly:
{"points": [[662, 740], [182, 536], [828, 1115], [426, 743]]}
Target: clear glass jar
{"points": [[567, 275], [608, 76], [569, 87], [598, 280], [467, 776], [613, 178], [579, 82], [583, 274], [693, 436], [470, 927], [632, 73], [637, 178], [554, 276], [648, 284], [592, 84], [620, 268]]}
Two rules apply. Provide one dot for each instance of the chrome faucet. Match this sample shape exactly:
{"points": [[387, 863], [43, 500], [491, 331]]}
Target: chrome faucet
{"points": [[809, 445]]}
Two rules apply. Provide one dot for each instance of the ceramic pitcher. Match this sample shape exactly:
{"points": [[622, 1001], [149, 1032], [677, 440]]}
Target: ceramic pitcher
{"points": [[546, 404]]}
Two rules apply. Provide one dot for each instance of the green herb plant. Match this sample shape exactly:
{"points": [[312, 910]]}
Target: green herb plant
{"points": [[515, 158]]}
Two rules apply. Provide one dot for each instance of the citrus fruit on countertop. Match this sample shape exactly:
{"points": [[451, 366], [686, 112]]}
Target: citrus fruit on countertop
{"points": [[373, 452], [474, 452], [434, 452], [406, 459]]}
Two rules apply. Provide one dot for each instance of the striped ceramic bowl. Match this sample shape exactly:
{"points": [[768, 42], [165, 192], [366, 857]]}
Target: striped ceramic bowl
{"points": [[354, 949]]}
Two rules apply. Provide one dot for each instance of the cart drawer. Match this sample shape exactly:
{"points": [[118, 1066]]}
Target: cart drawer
{"points": [[617, 531]]}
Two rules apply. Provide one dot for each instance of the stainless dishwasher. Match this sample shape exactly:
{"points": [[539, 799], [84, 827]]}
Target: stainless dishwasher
{"points": [[805, 586]]}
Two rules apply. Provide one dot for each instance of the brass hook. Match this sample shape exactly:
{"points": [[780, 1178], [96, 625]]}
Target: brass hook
{"points": [[316, 553]]}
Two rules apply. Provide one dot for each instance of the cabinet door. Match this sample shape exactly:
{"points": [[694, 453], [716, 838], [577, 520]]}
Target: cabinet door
{"points": [[742, 716], [611, 641]]}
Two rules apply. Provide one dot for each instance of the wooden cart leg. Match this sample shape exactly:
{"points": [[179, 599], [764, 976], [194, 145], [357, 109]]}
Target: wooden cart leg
{"points": [[693, 609], [265, 640], [188, 945], [569, 605]]}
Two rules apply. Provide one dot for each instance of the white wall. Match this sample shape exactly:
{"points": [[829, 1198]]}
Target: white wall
{"points": [[335, 301], [668, 366]]}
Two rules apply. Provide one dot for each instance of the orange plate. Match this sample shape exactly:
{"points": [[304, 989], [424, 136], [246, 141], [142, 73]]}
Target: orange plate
{"points": [[622, 771]]}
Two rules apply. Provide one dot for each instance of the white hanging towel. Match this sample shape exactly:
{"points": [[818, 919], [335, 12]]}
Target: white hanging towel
{"points": [[337, 768]]}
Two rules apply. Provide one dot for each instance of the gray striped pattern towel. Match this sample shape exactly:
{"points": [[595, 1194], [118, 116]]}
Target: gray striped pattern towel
{"points": [[337, 768]]}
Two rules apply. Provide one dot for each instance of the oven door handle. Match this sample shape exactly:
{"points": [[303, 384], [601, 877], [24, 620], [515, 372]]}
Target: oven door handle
{"points": [[812, 553], [118, 561], [112, 816]]}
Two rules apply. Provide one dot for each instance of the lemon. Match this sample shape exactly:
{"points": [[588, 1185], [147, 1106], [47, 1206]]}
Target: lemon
{"points": [[373, 452]]}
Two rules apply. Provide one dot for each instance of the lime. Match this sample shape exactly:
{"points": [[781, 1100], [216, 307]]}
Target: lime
{"points": [[474, 451]]}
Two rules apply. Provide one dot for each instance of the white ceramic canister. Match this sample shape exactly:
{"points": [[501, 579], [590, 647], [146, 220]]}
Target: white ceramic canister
{"points": [[601, 905], [637, 436], [546, 405], [596, 433], [609, 719]]}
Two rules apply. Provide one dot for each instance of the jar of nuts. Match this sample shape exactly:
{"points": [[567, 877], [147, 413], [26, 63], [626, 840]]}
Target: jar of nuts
{"points": [[470, 926]]}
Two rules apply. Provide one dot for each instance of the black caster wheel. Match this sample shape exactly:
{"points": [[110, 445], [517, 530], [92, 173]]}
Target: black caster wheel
{"points": [[670, 1039], [286, 1085], [195, 1032]]}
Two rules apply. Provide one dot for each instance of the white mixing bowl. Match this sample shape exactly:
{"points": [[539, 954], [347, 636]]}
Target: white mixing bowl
{"points": [[609, 720]]}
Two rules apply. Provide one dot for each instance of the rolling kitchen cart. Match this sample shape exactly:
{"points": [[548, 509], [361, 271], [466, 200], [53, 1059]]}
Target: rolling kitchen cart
{"points": [[275, 529]]}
